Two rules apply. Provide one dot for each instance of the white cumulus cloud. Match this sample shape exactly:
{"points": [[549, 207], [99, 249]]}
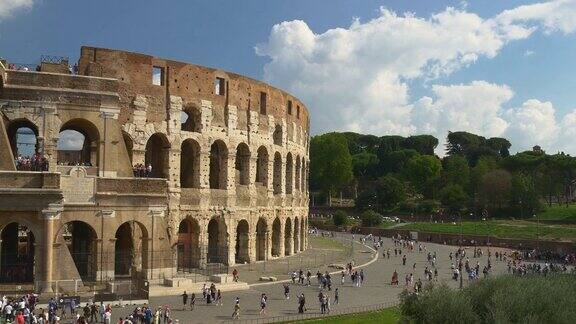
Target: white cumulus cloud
{"points": [[8, 7], [359, 78]]}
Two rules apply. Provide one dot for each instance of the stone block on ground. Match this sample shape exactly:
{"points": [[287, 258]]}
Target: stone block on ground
{"points": [[264, 278], [337, 266]]}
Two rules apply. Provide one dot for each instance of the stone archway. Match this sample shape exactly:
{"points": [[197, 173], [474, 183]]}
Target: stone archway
{"points": [[188, 245], [296, 235], [288, 237], [217, 241], [261, 240], [242, 165], [289, 174], [130, 249], [277, 179], [78, 143], [262, 167], [23, 137], [218, 165], [190, 164], [17, 254], [276, 228], [242, 238], [157, 151], [80, 238]]}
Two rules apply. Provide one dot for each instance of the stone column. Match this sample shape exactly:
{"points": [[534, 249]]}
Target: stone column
{"points": [[282, 233], [268, 244], [49, 216], [203, 243], [252, 245]]}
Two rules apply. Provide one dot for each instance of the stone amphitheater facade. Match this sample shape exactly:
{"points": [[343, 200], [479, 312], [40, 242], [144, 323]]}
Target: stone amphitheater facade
{"points": [[228, 182]]}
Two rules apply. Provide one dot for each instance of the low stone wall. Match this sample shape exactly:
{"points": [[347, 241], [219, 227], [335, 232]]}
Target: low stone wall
{"points": [[38, 180], [132, 186]]}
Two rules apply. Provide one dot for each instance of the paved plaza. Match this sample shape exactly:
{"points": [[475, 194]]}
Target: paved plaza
{"points": [[375, 290]]}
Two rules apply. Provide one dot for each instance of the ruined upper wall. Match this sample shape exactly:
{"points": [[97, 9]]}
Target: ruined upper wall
{"points": [[191, 82]]}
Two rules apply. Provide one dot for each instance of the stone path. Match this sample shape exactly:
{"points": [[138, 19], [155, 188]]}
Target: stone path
{"points": [[376, 289]]}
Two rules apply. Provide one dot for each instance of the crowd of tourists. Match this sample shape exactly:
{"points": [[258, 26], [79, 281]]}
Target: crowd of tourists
{"points": [[142, 171], [36, 162]]}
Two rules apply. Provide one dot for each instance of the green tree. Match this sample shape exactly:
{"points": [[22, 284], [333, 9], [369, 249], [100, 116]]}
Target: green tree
{"points": [[330, 162], [367, 199], [364, 164], [495, 189], [453, 197], [523, 195], [395, 161], [370, 218], [423, 144], [456, 171], [422, 171], [340, 218], [390, 191]]}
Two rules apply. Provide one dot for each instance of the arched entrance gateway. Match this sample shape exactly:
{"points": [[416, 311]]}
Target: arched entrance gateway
{"points": [[276, 237], [80, 240], [156, 155], [287, 237], [17, 254], [131, 249], [188, 247], [78, 143], [242, 239], [218, 165], [217, 241], [296, 235], [261, 245]]}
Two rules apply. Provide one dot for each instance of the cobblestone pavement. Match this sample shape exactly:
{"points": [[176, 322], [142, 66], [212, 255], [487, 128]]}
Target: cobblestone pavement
{"points": [[375, 290]]}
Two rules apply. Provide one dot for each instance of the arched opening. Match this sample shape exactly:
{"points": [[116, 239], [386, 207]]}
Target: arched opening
{"points": [[242, 238], [261, 244], [289, 174], [242, 164], [303, 231], [188, 247], [218, 165], [277, 180], [303, 176], [296, 235], [262, 167], [129, 143], [217, 241], [78, 143], [17, 258], [23, 137], [297, 177], [190, 120], [156, 158], [288, 237], [277, 135], [276, 226], [130, 250], [80, 238], [190, 164]]}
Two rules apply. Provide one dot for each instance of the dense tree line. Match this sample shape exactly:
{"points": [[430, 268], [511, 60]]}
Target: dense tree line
{"points": [[477, 177]]}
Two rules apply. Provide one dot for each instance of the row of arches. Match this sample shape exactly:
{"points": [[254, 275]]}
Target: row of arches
{"points": [[266, 241], [79, 239], [218, 170]]}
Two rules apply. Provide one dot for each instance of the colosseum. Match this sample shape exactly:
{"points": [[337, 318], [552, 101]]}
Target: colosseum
{"points": [[132, 168]]}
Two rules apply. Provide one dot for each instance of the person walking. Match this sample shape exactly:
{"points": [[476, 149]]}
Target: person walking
{"points": [[236, 313], [336, 297], [301, 304], [263, 304], [219, 298], [192, 301], [184, 300], [286, 291]]}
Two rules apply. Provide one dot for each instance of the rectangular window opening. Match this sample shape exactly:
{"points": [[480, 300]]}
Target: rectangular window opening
{"points": [[220, 86], [157, 75], [298, 112], [263, 103], [289, 107]]}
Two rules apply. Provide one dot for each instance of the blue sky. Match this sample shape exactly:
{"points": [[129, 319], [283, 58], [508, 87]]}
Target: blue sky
{"points": [[520, 86]]}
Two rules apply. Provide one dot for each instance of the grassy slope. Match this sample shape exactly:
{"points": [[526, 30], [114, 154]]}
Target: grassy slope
{"points": [[503, 229], [386, 316], [559, 212]]}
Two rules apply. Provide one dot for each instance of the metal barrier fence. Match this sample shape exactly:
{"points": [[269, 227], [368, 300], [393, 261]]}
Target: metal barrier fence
{"points": [[309, 316]]}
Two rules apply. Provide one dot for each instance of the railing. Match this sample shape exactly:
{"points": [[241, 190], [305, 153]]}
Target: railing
{"points": [[310, 315], [53, 59], [39, 180]]}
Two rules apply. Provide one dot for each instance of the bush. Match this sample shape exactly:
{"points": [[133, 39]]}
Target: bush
{"points": [[340, 218], [370, 218], [505, 299]]}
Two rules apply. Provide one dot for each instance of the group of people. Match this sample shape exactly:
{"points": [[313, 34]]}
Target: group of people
{"points": [[36, 162], [142, 171], [21, 310]]}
